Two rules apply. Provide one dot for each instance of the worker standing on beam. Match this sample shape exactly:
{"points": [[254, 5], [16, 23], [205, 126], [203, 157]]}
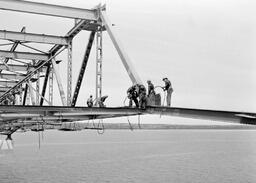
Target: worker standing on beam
{"points": [[132, 94], [142, 95], [151, 87], [169, 89], [151, 93], [90, 101]]}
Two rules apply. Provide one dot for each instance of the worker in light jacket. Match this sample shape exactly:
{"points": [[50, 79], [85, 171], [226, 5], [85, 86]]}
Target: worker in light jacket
{"points": [[169, 89]]}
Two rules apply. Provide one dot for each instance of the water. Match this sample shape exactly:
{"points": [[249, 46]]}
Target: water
{"points": [[132, 156]]}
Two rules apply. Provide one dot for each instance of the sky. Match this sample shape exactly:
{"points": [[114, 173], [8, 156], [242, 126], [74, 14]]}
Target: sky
{"points": [[205, 47]]}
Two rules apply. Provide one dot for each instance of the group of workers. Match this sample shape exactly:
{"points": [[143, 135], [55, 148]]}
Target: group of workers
{"points": [[138, 94], [138, 91], [99, 102]]}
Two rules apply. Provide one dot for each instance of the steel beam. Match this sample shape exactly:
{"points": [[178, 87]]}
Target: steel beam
{"points": [[4, 89], [14, 67], [8, 83], [38, 88], [51, 86], [124, 57], [99, 54], [37, 38], [48, 9], [12, 76], [69, 73], [25, 95], [23, 55]]}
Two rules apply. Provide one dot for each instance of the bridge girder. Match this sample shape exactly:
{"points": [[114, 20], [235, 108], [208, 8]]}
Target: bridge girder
{"points": [[48, 9], [23, 55], [32, 37]]}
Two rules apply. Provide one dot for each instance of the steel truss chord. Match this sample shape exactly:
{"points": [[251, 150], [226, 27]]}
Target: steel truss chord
{"points": [[48, 9]]}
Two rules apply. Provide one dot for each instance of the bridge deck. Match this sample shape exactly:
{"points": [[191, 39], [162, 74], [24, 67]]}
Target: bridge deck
{"points": [[66, 114]]}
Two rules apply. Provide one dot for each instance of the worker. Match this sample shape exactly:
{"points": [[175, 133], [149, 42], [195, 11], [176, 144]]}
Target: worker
{"points": [[90, 101], [132, 94], [151, 87], [101, 101], [142, 96], [169, 89]]}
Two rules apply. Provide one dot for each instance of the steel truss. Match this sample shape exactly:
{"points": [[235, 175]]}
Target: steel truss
{"points": [[26, 79]]}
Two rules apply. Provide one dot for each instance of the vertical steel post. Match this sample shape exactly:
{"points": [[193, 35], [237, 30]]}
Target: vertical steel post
{"points": [[99, 63], [38, 88], [50, 85], [69, 73]]}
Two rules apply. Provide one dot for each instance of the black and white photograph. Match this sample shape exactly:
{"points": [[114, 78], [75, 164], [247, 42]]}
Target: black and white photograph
{"points": [[128, 91]]}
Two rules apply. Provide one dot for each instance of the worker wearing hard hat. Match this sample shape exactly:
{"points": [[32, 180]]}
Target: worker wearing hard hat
{"points": [[169, 89]]}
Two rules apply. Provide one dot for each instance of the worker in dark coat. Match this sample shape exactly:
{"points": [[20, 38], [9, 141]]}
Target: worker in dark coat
{"points": [[142, 96], [169, 89], [132, 94], [90, 101]]}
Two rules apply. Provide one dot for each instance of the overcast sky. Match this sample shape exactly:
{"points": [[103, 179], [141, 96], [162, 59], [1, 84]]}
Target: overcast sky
{"points": [[205, 47]]}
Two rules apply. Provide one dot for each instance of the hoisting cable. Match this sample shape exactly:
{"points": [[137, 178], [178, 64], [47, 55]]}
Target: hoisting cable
{"points": [[139, 122], [128, 120], [93, 125], [43, 122], [101, 129], [130, 125], [39, 139], [125, 100]]}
